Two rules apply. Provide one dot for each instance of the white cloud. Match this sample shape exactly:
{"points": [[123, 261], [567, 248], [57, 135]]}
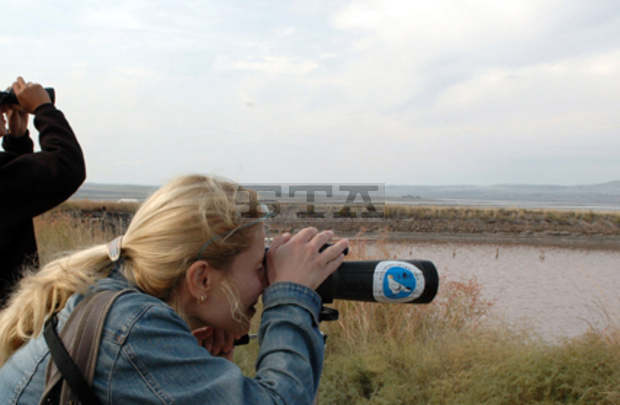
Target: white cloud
{"points": [[447, 23], [286, 31], [121, 16], [274, 65], [579, 84]]}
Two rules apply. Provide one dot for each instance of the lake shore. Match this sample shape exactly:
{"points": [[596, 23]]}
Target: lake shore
{"points": [[437, 224], [597, 242]]}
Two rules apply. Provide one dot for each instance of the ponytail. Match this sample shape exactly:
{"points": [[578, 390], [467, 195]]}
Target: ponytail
{"points": [[40, 294]]}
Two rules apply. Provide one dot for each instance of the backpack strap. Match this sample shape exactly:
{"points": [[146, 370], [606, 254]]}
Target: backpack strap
{"points": [[74, 352]]}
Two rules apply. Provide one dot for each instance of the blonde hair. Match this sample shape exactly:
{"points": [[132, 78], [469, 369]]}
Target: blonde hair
{"points": [[162, 240]]}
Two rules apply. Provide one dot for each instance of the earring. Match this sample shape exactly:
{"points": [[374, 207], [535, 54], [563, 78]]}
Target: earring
{"points": [[202, 298]]}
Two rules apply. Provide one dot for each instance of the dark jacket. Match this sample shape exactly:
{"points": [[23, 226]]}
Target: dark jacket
{"points": [[32, 183]]}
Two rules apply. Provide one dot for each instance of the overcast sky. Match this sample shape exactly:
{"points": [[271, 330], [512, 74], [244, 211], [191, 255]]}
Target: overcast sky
{"points": [[399, 92]]}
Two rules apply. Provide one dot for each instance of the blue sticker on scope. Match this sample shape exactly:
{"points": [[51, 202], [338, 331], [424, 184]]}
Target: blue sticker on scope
{"points": [[398, 282]]}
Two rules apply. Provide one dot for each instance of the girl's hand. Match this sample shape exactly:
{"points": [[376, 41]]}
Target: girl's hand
{"points": [[217, 342], [297, 259]]}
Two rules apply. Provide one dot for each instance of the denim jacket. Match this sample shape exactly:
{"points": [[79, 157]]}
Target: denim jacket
{"points": [[148, 355]]}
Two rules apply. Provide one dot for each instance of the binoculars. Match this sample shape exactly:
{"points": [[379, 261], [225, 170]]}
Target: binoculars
{"points": [[9, 97]]}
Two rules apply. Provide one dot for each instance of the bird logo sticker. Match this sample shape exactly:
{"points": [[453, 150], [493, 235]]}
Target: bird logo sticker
{"points": [[396, 281]]}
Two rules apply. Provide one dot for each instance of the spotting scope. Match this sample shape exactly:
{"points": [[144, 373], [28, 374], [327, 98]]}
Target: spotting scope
{"points": [[392, 281]]}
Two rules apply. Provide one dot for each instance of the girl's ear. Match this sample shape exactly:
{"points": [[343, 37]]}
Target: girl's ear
{"points": [[197, 279]]}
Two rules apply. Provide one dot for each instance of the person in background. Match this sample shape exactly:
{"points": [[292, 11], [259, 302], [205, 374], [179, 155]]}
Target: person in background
{"points": [[32, 183]]}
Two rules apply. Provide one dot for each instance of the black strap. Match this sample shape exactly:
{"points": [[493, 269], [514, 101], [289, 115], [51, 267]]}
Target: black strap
{"points": [[69, 370]]}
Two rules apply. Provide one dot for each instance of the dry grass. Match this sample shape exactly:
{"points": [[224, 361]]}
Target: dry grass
{"points": [[90, 205], [493, 220], [405, 219], [61, 232]]}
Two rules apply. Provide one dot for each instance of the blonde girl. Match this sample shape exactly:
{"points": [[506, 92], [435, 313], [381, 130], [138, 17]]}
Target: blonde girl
{"points": [[193, 256]]}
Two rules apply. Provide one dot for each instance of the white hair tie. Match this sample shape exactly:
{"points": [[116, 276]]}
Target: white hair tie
{"points": [[114, 248]]}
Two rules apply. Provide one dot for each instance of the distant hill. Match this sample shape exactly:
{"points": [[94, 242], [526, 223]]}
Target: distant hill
{"points": [[96, 191], [588, 196], [607, 194]]}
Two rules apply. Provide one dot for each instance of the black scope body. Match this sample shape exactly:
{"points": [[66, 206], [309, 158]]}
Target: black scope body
{"points": [[393, 281], [9, 97]]}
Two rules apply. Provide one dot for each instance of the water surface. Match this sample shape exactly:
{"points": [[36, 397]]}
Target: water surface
{"points": [[558, 292]]}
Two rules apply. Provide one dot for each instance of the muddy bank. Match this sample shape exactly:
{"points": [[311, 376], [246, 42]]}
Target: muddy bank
{"points": [[602, 242], [578, 229]]}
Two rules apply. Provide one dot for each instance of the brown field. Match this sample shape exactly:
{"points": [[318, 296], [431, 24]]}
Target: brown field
{"points": [[586, 229]]}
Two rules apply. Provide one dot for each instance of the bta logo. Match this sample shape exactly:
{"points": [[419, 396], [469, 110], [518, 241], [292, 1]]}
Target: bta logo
{"points": [[322, 201]]}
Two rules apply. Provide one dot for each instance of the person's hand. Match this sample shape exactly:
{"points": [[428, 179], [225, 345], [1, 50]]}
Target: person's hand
{"points": [[2, 124], [30, 95], [297, 259], [18, 121], [217, 342]]}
